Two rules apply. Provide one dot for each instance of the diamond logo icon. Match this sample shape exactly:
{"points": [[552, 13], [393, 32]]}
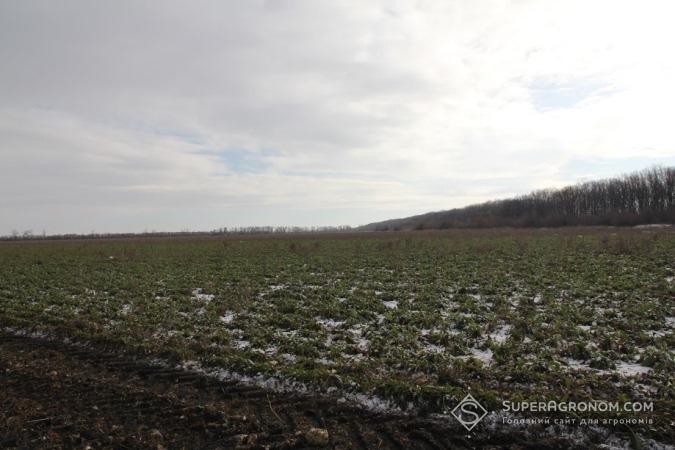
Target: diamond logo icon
{"points": [[469, 412]]}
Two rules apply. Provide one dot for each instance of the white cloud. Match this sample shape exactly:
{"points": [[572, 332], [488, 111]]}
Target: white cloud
{"points": [[113, 113]]}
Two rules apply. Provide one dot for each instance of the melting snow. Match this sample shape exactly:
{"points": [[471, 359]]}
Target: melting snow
{"points": [[485, 356], [391, 304], [433, 348], [362, 344], [501, 334], [653, 333], [631, 369], [197, 294], [228, 317], [241, 344], [329, 323], [289, 357], [576, 363]]}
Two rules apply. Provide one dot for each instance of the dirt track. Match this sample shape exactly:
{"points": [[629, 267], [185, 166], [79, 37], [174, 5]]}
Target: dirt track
{"points": [[55, 395]]}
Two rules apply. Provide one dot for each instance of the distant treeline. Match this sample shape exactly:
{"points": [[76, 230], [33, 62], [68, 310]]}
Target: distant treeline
{"points": [[281, 230], [224, 231], [641, 197]]}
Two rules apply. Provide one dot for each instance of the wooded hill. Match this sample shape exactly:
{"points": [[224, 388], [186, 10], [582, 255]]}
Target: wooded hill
{"points": [[643, 197]]}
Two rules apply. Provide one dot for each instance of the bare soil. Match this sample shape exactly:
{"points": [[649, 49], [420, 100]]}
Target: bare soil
{"points": [[58, 395]]}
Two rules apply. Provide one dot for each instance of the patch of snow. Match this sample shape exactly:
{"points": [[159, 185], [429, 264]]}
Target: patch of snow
{"points": [[362, 344], [355, 357], [654, 333], [197, 294], [329, 323], [502, 334], [288, 357], [34, 334], [240, 344], [484, 356], [576, 364], [631, 369], [126, 309], [433, 348], [646, 388], [228, 317], [391, 304], [654, 225]]}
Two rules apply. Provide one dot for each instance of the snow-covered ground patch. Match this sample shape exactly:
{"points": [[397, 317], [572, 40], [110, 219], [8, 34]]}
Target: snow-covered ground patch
{"points": [[576, 364], [329, 323], [227, 318], [240, 344], [631, 369], [501, 334], [198, 294], [391, 304], [484, 356], [433, 348]]}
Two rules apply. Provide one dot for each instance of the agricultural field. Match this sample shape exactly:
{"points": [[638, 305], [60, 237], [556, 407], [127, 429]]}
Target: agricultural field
{"points": [[394, 322]]}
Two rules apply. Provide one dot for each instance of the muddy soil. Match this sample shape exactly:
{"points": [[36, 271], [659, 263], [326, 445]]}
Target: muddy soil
{"points": [[58, 395]]}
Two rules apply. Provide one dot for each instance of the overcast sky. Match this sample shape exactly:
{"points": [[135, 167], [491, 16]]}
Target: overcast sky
{"points": [[165, 115]]}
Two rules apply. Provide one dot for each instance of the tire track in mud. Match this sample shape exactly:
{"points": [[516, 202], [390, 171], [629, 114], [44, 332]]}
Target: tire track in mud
{"points": [[58, 395]]}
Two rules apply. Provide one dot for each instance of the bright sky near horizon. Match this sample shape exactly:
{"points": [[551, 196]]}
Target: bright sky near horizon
{"points": [[167, 115]]}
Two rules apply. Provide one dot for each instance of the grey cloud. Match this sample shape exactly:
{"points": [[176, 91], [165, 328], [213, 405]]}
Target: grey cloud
{"points": [[118, 109]]}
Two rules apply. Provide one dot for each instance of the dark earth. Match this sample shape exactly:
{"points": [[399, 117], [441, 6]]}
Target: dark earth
{"points": [[59, 395]]}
